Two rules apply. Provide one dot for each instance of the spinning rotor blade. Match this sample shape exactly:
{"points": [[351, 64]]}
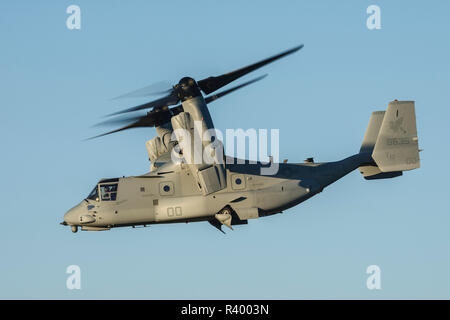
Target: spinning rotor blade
{"points": [[211, 84], [224, 93], [188, 87], [159, 116], [132, 125], [152, 119], [119, 120], [166, 101], [158, 88]]}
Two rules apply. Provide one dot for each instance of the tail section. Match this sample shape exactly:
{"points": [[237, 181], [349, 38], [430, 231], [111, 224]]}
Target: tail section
{"points": [[391, 138], [370, 138]]}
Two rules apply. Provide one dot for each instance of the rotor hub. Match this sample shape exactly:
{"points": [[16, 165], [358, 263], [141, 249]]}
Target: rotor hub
{"points": [[187, 88]]}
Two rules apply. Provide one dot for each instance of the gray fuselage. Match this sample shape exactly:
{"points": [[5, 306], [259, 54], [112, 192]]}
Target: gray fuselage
{"points": [[170, 194]]}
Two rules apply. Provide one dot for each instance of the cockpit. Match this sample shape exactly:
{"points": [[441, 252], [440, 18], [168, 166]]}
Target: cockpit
{"points": [[105, 190]]}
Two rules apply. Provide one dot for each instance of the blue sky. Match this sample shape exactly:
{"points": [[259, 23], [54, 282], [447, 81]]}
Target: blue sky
{"points": [[56, 83]]}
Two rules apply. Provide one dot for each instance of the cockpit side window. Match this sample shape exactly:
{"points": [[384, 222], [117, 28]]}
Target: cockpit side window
{"points": [[94, 194], [108, 191]]}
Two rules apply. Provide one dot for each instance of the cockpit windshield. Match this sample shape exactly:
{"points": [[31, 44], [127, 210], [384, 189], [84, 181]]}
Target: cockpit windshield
{"points": [[94, 194], [105, 190]]}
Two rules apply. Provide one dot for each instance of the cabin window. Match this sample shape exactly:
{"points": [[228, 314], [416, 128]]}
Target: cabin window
{"points": [[108, 192], [238, 182], [166, 188]]}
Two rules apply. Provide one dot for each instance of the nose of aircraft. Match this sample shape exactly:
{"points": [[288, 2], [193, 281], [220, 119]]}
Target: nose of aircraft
{"points": [[72, 217]]}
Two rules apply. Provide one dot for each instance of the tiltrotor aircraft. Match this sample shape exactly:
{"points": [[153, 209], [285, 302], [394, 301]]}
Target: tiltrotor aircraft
{"points": [[228, 192]]}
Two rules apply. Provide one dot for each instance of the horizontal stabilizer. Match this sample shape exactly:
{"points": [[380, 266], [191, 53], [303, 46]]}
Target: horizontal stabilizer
{"points": [[374, 173]]}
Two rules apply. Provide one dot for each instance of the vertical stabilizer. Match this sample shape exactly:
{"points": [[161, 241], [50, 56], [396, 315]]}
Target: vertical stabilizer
{"points": [[396, 147], [371, 135]]}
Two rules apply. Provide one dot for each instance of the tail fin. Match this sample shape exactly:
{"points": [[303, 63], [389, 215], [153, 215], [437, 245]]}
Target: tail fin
{"points": [[370, 138], [395, 148]]}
